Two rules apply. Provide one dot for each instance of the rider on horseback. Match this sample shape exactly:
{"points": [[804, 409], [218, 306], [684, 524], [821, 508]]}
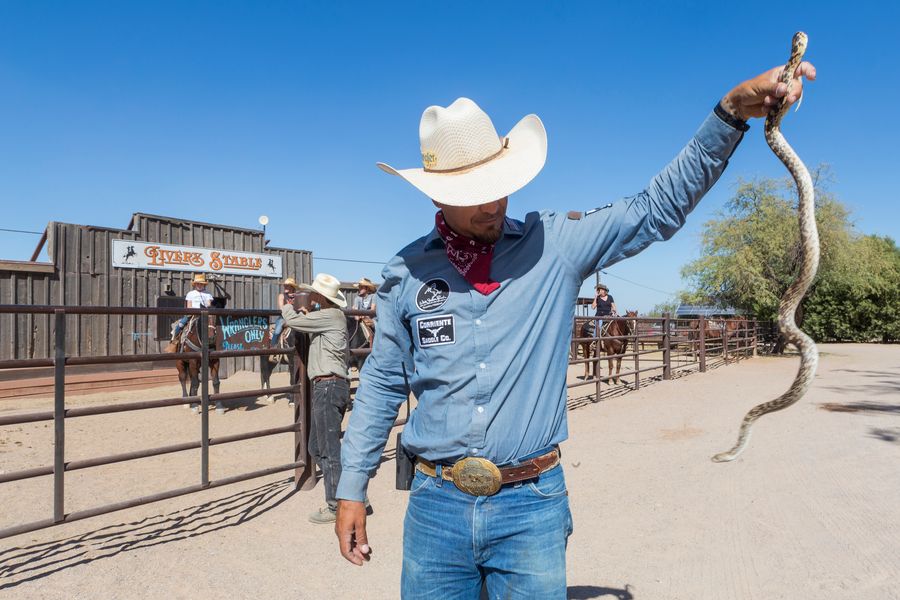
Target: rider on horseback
{"points": [[286, 297], [198, 297], [365, 300], [605, 305]]}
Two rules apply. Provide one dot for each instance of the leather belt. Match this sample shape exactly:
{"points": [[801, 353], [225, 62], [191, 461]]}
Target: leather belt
{"points": [[327, 377], [481, 477]]}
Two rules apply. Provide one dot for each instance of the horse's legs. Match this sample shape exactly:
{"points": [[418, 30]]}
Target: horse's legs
{"points": [[195, 383], [182, 379], [265, 373], [214, 371], [586, 352]]}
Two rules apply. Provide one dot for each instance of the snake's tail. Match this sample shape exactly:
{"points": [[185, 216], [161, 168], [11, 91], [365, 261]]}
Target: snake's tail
{"points": [[743, 439]]}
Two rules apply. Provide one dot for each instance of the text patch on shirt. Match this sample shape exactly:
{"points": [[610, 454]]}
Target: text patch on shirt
{"points": [[432, 294], [436, 331]]}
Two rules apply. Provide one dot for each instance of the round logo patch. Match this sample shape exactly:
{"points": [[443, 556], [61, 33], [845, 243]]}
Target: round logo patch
{"points": [[432, 294]]}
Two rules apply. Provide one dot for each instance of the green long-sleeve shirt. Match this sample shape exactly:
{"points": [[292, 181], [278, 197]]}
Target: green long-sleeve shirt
{"points": [[327, 329]]}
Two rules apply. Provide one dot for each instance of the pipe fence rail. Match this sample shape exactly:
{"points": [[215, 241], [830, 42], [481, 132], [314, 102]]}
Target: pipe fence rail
{"points": [[659, 344], [653, 345], [298, 391]]}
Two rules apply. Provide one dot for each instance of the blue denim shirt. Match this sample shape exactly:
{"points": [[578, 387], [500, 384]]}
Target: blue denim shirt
{"points": [[489, 372]]}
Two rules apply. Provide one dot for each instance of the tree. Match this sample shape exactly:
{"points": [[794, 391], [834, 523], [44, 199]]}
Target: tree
{"points": [[751, 252]]}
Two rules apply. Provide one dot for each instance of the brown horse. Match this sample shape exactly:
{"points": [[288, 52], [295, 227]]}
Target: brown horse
{"points": [[584, 328], [614, 347], [189, 341]]}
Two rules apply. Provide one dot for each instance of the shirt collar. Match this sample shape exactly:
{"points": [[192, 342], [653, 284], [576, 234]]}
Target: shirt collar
{"points": [[511, 228]]}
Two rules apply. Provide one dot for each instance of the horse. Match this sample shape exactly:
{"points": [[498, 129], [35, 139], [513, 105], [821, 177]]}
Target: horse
{"points": [[713, 331], [189, 341], [584, 328], [268, 363], [613, 347], [356, 340]]}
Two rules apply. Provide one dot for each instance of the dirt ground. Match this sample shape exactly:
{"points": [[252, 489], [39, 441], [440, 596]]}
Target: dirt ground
{"points": [[810, 510]]}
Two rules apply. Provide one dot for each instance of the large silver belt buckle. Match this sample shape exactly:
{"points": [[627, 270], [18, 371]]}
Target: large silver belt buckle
{"points": [[476, 476]]}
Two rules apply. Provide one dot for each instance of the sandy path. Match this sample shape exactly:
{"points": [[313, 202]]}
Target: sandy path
{"points": [[811, 510]]}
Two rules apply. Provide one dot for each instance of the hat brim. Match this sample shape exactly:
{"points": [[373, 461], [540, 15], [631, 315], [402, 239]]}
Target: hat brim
{"points": [[511, 171], [340, 300]]}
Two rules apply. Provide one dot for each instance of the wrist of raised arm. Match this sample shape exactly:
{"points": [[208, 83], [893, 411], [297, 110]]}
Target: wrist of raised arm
{"points": [[729, 111]]}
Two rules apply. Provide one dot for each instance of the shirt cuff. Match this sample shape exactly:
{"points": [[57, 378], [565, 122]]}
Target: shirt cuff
{"points": [[718, 137], [352, 486], [739, 124]]}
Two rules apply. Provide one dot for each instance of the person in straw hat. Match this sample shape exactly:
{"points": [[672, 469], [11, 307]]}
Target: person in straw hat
{"points": [[289, 289], [327, 368], [475, 319], [198, 297], [365, 300], [604, 305]]}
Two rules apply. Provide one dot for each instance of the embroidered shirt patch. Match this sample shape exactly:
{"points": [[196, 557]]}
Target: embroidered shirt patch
{"points": [[436, 331], [432, 294]]}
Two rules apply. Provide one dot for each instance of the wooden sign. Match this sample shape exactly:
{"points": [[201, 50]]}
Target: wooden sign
{"points": [[244, 333], [129, 254]]}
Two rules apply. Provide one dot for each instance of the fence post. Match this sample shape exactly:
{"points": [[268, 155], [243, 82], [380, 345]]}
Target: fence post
{"points": [[702, 344], [637, 354], [666, 348], [59, 417], [597, 359], [203, 324], [725, 340], [755, 335], [304, 477]]}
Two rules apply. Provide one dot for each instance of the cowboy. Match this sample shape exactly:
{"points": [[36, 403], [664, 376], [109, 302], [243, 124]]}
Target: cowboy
{"points": [[488, 489], [198, 297], [285, 297], [326, 325], [605, 306], [365, 300]]}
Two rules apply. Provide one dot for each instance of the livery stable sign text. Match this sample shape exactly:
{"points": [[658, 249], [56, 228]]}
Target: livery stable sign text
{"points": [[128, 254]]}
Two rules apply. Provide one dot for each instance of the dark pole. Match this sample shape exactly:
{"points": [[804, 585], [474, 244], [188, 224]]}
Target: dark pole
{"points": [[204, 398], [304, 477], [702, 344], [667, 348], [59, 418]]}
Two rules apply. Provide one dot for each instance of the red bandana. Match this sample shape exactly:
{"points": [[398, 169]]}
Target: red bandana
{"points": [[470, 257]]}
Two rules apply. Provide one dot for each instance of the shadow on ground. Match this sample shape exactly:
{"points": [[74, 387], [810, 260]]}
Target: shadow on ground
{"points": [[28, 563]]}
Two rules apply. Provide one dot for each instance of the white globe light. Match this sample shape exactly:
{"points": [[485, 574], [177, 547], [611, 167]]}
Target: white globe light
{"points": [[264, 220]]}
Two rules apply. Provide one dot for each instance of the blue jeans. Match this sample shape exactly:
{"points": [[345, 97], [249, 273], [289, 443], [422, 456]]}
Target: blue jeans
{"points": [[181, 323], [329, 403], [279, 327], [514, 541]]}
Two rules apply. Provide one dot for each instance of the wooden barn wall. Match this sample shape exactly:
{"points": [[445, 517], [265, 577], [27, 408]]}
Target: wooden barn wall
{"points": [[85, 277]]}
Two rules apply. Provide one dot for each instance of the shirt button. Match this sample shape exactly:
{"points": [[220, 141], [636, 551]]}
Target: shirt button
{"points": [[478, 321], [481, 409], [474, 451], [482, 366]]}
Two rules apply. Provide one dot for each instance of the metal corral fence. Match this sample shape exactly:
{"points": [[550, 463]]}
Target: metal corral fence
{"points": [[298, 390], [660, 345]]}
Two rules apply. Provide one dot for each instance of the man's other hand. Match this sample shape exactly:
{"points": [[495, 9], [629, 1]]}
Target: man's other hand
{"points": [[350, 528], [756, 97]]}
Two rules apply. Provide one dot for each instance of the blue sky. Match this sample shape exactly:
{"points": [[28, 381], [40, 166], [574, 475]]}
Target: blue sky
{"points": [[223, 111]]}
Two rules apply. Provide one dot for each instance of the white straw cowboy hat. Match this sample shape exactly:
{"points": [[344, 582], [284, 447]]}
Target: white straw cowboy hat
{"points": [[365, 282], [290, 282], [328, 286], [465, 162]]}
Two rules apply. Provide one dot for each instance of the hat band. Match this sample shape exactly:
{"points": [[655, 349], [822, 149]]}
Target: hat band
{"points": [[474, 164]]}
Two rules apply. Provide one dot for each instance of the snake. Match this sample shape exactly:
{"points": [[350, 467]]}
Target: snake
{"points": [[809, 260]]}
